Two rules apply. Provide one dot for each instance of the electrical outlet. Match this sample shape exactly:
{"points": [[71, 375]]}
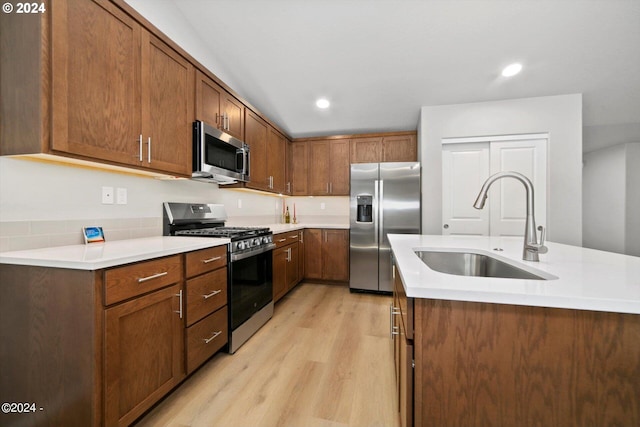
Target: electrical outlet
{"points": [[107, 195], [239, 203], [121, 196], [322, 206]]}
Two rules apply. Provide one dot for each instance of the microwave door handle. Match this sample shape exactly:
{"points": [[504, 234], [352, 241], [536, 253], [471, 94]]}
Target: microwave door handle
{"points": [[243, 156], [245, 164]]}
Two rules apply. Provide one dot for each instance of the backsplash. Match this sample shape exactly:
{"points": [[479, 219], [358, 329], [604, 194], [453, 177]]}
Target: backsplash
{"points": [[45, 204], [20, 235]]}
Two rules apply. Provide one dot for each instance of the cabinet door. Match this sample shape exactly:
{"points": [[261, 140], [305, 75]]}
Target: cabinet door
{"points": [[299, 169], [292, 267], [234, 113], [96, 84], [405, 380], [366, 150], [400, 148], [208, 95], [276, 160], [313, 253], [167, 107], [279, 272], [144, 353], [335, 255], [319, 166], [340, 168], [256, 131]]}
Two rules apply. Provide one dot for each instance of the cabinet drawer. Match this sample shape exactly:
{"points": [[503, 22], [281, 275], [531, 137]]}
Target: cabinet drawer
{"points": [[132, 280], [283, 239], [199, 262], [205, 338], [206, 294]]}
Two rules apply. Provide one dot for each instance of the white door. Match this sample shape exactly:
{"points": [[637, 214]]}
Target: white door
{"points": [[466, 166], [507, 197]]}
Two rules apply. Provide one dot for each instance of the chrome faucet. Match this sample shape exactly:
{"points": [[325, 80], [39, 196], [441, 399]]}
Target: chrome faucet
{"points": [[531, 247]]}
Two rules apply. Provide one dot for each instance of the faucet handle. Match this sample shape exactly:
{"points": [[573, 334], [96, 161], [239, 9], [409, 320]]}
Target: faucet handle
{"points": [[542, 249]]}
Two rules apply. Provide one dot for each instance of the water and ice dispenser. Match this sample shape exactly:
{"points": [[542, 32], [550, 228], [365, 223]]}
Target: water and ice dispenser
{"points": [[365, 208]]}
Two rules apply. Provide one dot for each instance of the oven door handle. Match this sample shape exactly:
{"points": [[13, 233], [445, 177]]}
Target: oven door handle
{"points": [[258, 251]]}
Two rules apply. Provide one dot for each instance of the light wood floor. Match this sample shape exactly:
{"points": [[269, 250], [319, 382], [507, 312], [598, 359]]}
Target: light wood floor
{"points": [[324, 359]]}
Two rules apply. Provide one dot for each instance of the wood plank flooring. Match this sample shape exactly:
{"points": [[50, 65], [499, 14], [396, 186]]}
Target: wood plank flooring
{"points": [[325, 359]]}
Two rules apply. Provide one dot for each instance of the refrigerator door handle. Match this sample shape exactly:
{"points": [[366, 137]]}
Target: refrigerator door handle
{"points": [[376, 201], [381, 209]]}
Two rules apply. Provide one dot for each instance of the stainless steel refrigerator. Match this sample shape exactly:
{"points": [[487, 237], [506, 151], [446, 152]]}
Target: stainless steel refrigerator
{"points": [[385, 199]]}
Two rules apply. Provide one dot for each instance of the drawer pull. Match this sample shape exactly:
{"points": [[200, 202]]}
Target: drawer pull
{"points": [[212, 294], [282, 240], [154, 276], [293, 237], [207, 261], [208, 340]]}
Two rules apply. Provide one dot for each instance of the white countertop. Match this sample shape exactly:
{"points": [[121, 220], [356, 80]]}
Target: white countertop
{"points": [[587, 279], [95, 256], [282, 228]]}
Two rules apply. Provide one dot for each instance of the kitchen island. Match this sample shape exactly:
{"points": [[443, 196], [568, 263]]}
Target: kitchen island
{"points": [[564, 351]]}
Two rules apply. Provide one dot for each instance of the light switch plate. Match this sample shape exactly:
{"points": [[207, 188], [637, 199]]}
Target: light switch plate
{"points": [[121, 196]]}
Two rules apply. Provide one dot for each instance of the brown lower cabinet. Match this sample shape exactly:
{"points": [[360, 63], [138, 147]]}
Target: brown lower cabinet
{"points": [[94, 348], [286, 262], [326, 254], [482, 364]]}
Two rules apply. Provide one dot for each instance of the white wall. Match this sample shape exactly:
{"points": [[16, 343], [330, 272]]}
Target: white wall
{"points": [[45, 204], [611, 191], [560, 116], [633, 199], [604, 194]]}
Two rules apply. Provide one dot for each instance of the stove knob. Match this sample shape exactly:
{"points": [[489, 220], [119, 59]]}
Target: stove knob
{"points": [[265, 240], [256, 242], [241, 246]]}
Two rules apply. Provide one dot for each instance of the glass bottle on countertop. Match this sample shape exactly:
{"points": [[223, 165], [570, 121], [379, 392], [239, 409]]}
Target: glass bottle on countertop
{"points": [[287, 217]]}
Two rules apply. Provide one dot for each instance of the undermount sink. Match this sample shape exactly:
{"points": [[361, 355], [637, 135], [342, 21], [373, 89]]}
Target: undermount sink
{"points": [[473, 264]]}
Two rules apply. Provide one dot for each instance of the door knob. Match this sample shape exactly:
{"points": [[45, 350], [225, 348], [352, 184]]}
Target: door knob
{"points": [[446, 226]]}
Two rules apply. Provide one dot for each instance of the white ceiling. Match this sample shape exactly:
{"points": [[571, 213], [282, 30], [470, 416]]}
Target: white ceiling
{"points": [[379, 61]]}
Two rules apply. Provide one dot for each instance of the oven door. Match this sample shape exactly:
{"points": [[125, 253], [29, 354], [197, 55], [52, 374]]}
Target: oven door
{"points": [[250, 286]]}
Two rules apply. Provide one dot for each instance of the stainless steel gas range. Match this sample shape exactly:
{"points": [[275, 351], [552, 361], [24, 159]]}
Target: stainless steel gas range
{"points": [[249, 269]]}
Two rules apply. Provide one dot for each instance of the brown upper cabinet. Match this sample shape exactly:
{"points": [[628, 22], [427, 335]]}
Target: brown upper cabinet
{"points": [[328, 167], [396, 147], [118, 92], [268, 155], [299, 168], [217, 107], [86, 80]]}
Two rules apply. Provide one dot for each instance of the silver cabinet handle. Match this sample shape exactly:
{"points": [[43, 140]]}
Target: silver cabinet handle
{"points": [[154, 276], [140, 146], [212, 294], [149, 150], [293, 237], [392, 312], [282, 240], [179, 294], [289, 255], [207, 261], [327, 188], [331, 188], [208, 340], [288, 187], [301, 237]]}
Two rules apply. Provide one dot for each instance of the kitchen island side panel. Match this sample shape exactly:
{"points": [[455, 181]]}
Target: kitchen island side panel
{"points": [[497, 364], [51, 352]]}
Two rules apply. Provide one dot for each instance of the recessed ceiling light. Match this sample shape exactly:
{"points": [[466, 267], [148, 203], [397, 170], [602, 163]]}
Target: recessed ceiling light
{"points": [[323, 103], [512, 70]]}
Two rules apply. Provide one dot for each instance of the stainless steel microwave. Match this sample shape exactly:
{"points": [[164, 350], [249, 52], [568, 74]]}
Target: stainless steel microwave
{"points": [[217, 156]]}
